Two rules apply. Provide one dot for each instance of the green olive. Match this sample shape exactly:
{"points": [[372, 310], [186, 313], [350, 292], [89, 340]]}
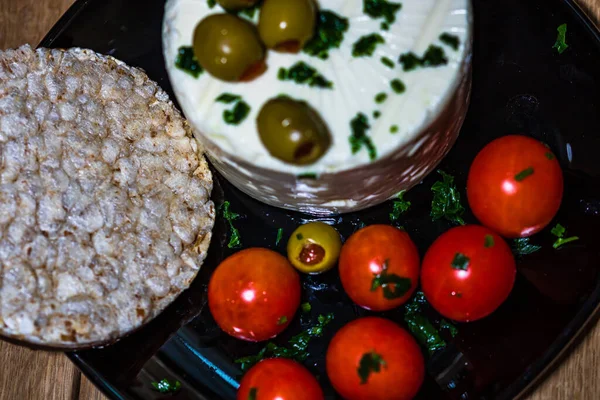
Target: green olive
{"points": [[286, 26], [235, 5], [314, 248], [292, 131], [229, 48]]}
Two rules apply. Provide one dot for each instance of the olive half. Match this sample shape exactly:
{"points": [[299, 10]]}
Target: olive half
{"points": [[292, 131], [235, 5], [286, 26], [229, 48], [314, 248]]}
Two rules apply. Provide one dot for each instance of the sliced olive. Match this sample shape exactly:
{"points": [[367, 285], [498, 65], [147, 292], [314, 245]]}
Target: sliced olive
{"points": [[286, 26], [235, 5], [314, 248], [229, 48], [292, 131]]}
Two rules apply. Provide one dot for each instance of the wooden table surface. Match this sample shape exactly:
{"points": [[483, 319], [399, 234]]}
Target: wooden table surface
{"points": [[31, 375]]}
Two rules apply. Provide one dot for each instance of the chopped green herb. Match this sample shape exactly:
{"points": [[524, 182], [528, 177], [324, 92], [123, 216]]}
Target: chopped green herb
{"points": [[561, 40], [252, 393], [376, 114], [460, 262], [251, 11], [451, 40], [522, 247], [308, 175], [445, 325], [187, 61], [398, 86], [329, 34], [211, 3], [400, 206], [489, 241], [282, 320], [359, 138], [279, 236], [382, 9], [549, 156], [306, 307], [393, 286], [238, 114], [433, 57], [409, 61], [302, 73], [394, 129], [524, 174], [421, 328], [228, 98], [165, 386], [388, 62], [369, 363], [234, 241], [446, 200], [365, 46], [559, 231], [296, 349], [380, 98], [299, 236], [385, 26]]}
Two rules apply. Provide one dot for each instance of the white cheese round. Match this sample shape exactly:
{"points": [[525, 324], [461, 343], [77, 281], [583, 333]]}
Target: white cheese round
{"points": [[356, 83]]}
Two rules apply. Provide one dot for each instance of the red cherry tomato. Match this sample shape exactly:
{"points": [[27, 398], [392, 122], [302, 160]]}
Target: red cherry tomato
{"points": [[279, 379], [515, 186], [468, 272], [254, 294], [372, 358], [379, 267]]}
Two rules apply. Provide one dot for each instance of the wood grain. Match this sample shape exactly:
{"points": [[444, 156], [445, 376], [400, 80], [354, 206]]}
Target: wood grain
{"points": [[30, 375]]}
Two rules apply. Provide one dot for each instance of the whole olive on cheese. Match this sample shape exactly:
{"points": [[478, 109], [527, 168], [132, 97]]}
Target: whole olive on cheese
{"points": [[292, 131], [235, 5], [286, 26], [229, 48], [314, 248]]}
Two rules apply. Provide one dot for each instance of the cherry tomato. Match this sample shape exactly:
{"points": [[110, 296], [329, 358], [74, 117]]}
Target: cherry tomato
{"points": [[379, 267], [515, 186], [279, 379], [468, 272], [254, 294], [372, 358]]}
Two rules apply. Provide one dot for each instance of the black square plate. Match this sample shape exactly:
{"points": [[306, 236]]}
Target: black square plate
{"points": [[520, 85]]}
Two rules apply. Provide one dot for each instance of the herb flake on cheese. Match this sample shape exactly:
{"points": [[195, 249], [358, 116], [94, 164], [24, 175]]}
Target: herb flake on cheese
{"points": [[211, 3], [365, 46], [450, 40], [302, 74], [398, 86], [382, 9], [388, 62], [433, 57], [394, 129], [329, 34], [240, 109], [359, 138], [187, 61], [380, 97]]}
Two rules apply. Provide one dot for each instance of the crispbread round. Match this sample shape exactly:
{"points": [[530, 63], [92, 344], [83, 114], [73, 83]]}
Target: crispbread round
{"points": [[105, 210]]}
